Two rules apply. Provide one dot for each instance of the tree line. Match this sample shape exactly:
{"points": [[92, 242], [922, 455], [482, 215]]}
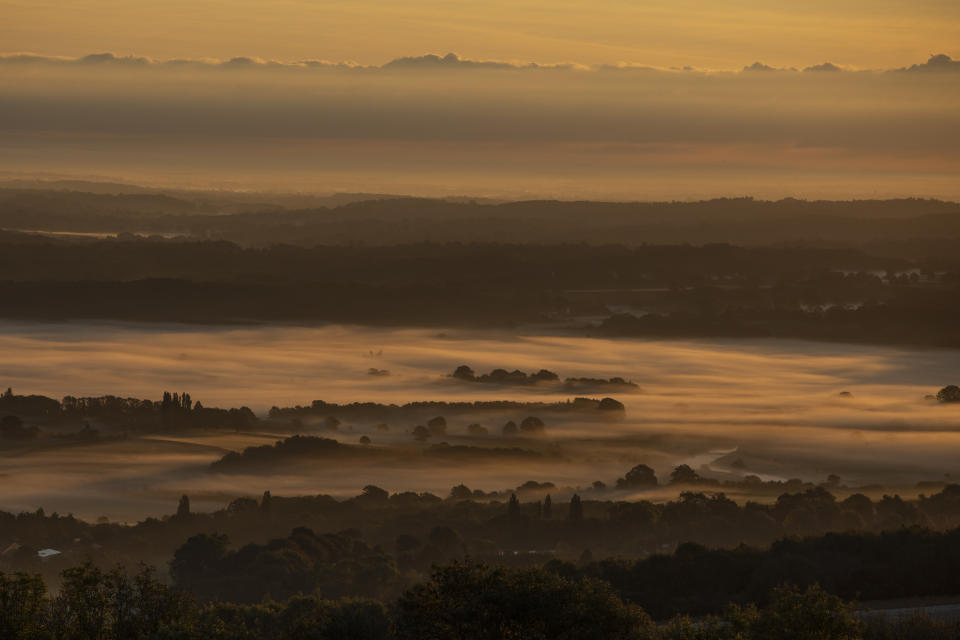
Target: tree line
{"points": [[461, 601]]}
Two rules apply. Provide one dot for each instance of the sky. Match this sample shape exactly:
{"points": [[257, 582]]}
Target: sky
{"points": [[628, 99]]}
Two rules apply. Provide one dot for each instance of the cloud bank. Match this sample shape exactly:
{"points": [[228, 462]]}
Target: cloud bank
{"points": [[937, 63], [439, 125]]}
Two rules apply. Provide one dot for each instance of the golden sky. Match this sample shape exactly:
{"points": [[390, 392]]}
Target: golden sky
{"points": [[713, 34]]}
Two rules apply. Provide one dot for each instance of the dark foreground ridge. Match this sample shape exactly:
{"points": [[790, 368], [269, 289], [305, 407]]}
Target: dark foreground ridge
{"points": [[451, 579]]}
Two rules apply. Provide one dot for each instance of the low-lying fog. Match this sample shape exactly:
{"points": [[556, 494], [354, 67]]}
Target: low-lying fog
{"points": [[772, 407]]}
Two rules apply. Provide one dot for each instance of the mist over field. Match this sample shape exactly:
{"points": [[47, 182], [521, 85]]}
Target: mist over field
{"points": [[774, 405]]}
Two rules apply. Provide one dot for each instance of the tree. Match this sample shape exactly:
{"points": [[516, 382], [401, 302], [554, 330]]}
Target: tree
{"points": [[11, 428], [813, 614], [576, 509], [23, 606], [446, 540], [421, 433], [510, 429], [82, 608], [183, 508], [683, 474], [950, 393], [196, 565], [532, 425], [375, 493], [513, 506], [609, 404], [547, 508], [463, 372], [461, 492], [640, 477], [479, 602], [266, 503], [437, 426], [545, 375]]}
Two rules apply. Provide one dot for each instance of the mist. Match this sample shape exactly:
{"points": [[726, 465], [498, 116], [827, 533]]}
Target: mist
{"points": [[774, 405]]}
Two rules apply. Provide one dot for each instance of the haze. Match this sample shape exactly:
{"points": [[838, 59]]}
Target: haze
{"points": [[775, 405]]}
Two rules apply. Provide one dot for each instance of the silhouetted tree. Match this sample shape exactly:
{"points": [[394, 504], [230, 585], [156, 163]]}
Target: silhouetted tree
{"points": [[950, 393], [437, 426], [513, 506], [446, 540], [266, 503], [640, 477], [374, 492], [421, 433], [609, 404], [806, 615], [478, 602], [197, 564], [683, 474], [463, 372], [11, 428], [461, 492], [576, 509], [532, 425], [183, 508]]}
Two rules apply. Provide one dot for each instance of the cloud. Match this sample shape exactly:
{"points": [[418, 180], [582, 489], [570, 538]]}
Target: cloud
{"points": [[759, 66], [447, 61], [427, 62], [826, 66], [424, 62], [32, 58], [108, 59], [453, 61], [937, 63]]}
